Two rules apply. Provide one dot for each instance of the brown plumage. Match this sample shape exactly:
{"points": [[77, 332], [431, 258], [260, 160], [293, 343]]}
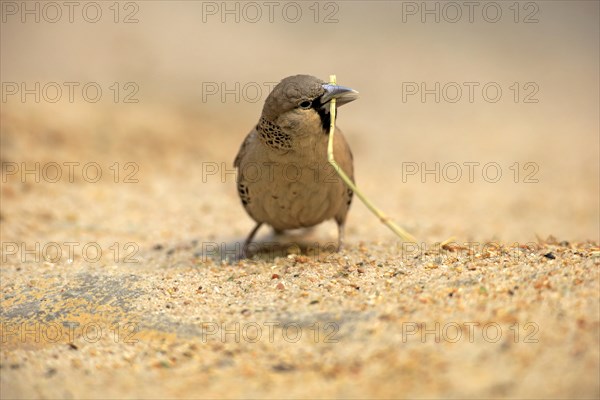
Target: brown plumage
{"points": [[284, 179]]}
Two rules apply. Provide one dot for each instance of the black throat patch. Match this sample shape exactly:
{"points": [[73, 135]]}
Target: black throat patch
{"points": [[323, 113]]}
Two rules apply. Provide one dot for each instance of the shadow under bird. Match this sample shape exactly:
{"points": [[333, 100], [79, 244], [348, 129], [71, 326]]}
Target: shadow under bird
{"points": [[284, 178]]}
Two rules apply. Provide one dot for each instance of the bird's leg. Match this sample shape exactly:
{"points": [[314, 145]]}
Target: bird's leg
{"points": [[340, 236], [249, 239]]}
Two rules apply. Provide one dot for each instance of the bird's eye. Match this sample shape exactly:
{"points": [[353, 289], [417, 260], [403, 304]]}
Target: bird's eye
{"points": [[305, 104]]}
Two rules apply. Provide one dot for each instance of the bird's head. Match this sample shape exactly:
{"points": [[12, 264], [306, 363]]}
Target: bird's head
{"points": [[301, 103]]}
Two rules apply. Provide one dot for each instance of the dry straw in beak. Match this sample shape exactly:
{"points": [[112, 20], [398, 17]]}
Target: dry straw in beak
{"points": [[404, 235]]}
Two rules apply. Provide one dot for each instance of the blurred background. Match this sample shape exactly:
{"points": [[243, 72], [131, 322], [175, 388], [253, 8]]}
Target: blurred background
{"points": [[477, 120], [119, 124]]}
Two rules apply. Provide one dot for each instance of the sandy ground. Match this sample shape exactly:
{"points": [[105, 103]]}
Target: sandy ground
{"points": [[125, 284]]}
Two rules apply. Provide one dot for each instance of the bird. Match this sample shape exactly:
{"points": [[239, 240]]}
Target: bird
{"points": [[283, 177]]}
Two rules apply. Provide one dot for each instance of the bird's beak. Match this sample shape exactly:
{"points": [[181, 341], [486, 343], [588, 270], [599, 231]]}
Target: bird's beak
{"points": [[341, 94]]}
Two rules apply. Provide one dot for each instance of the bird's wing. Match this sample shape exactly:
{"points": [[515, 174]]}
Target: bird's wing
{"points": [[243, 147]]}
